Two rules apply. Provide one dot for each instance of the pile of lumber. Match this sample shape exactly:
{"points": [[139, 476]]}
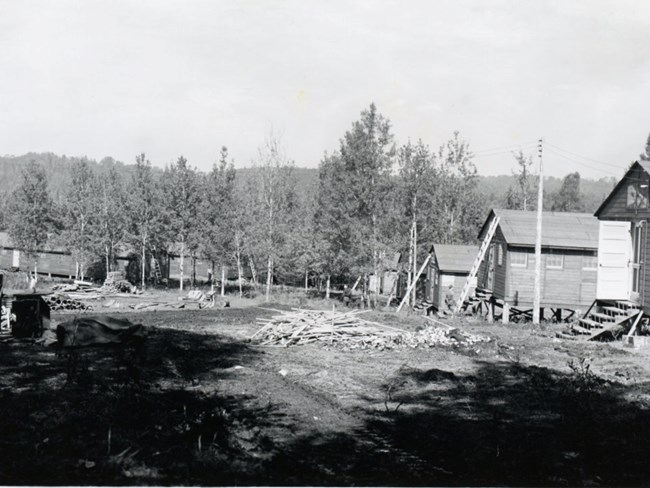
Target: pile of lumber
{"points": [[62, 302], [116, 283], [350, 331]]}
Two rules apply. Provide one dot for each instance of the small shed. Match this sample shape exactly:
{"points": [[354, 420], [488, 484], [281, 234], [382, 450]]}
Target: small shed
{"points": [[450, 265], [623, 244], [389, 281], [569, 259]]}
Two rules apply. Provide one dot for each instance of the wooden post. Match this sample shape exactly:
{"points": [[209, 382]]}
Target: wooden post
{"points": [[415, 280], [181, 264], [538, 240], [327, 288], [223, 280], [415, 258], [506, 313]]}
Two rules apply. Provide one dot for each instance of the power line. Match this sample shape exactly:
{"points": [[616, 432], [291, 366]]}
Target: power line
{"points": [[583, 164], [507, 148], [583, 157]]}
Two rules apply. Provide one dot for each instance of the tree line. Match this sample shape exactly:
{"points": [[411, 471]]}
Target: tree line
{"points": [[373, 198]]}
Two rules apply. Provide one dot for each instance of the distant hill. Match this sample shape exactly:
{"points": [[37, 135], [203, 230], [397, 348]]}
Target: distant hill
{"points": [[493, 188]]}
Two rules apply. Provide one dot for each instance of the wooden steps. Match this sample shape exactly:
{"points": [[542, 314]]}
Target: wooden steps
{"points": [[602, 317]]}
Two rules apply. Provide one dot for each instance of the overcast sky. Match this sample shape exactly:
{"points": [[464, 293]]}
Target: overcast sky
{"points": [[117, 78]]}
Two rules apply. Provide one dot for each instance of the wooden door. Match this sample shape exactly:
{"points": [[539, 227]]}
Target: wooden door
{"points": [[636, 262], [614, 257]]}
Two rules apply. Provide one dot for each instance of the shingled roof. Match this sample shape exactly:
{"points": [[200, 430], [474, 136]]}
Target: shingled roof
{"points": [[455, 259], [562, 230]]}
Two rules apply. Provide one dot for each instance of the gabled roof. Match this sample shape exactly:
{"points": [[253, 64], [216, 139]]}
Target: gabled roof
{"points": [[644, 165], [391, 261], [455, 259], [562, 230]]}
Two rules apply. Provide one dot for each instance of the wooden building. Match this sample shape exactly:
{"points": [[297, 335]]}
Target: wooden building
{"points": [[569, 259], [449, 265], [389, 282], [623, 244]]}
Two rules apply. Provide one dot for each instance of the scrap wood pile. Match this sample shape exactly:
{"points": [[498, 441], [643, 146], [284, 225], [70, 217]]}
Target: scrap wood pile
{"points": [[115, 283], [349, 330]]}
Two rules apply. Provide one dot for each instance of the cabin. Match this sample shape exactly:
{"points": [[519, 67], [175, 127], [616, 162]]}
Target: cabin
{"points": [[568, 267], [623, 244], [389, 282], [51, 262], [449, 265]]}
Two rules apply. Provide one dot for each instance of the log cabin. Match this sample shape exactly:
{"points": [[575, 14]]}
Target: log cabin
{"points": [[569, 261], [449, 265]]}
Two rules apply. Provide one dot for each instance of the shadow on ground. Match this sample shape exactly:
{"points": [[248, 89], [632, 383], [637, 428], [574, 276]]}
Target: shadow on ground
{"points": [[507, 424], [159, 418]]}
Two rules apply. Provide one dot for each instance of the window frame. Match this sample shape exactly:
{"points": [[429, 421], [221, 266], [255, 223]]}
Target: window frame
{"points": [[514, 264], [554, 254], [590, 256]]}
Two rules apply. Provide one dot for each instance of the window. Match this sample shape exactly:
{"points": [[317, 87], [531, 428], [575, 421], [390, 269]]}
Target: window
{"points": [[554, 261], [519, 259], [590, 262], [499, 255]]}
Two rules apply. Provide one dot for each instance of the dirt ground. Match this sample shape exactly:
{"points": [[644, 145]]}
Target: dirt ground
{"points": [[201, 405]]}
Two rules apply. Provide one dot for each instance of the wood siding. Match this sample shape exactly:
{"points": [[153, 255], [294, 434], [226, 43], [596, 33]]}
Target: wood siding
{"points": [[572, 286], [644, 295], [500, 271], [617, 209]]}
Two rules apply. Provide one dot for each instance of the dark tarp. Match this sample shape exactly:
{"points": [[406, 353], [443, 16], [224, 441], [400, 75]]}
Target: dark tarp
{"points": [[99, 330]]}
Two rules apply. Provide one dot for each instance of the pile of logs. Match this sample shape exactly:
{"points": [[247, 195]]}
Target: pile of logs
{"points": [[61, 302], [350, 331]]}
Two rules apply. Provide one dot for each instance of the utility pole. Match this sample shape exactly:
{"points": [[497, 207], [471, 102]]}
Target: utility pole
{"points": [[538, 238]]}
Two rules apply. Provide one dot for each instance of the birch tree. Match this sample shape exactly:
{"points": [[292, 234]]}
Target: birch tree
{"points": [[80, 212], [182, 197], [457, 198], [416, 185], [521, 194], [112, 219], [144, 209], [220, 239], [275, 202], [30, 212]]}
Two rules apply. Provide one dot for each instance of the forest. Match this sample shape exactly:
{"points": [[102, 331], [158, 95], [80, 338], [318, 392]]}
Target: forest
{"points": [[370, 198]]}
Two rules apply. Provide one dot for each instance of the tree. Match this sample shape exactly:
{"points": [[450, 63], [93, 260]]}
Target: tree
{"points": [[80, 211], [458, 199], [112, 220], [29, 212], [645, 156], [416, 187], [181, 190], [274, 196], [333, 220], [568, 198], [219, 236], [520, 195], [367, 154], [145, 209]]}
